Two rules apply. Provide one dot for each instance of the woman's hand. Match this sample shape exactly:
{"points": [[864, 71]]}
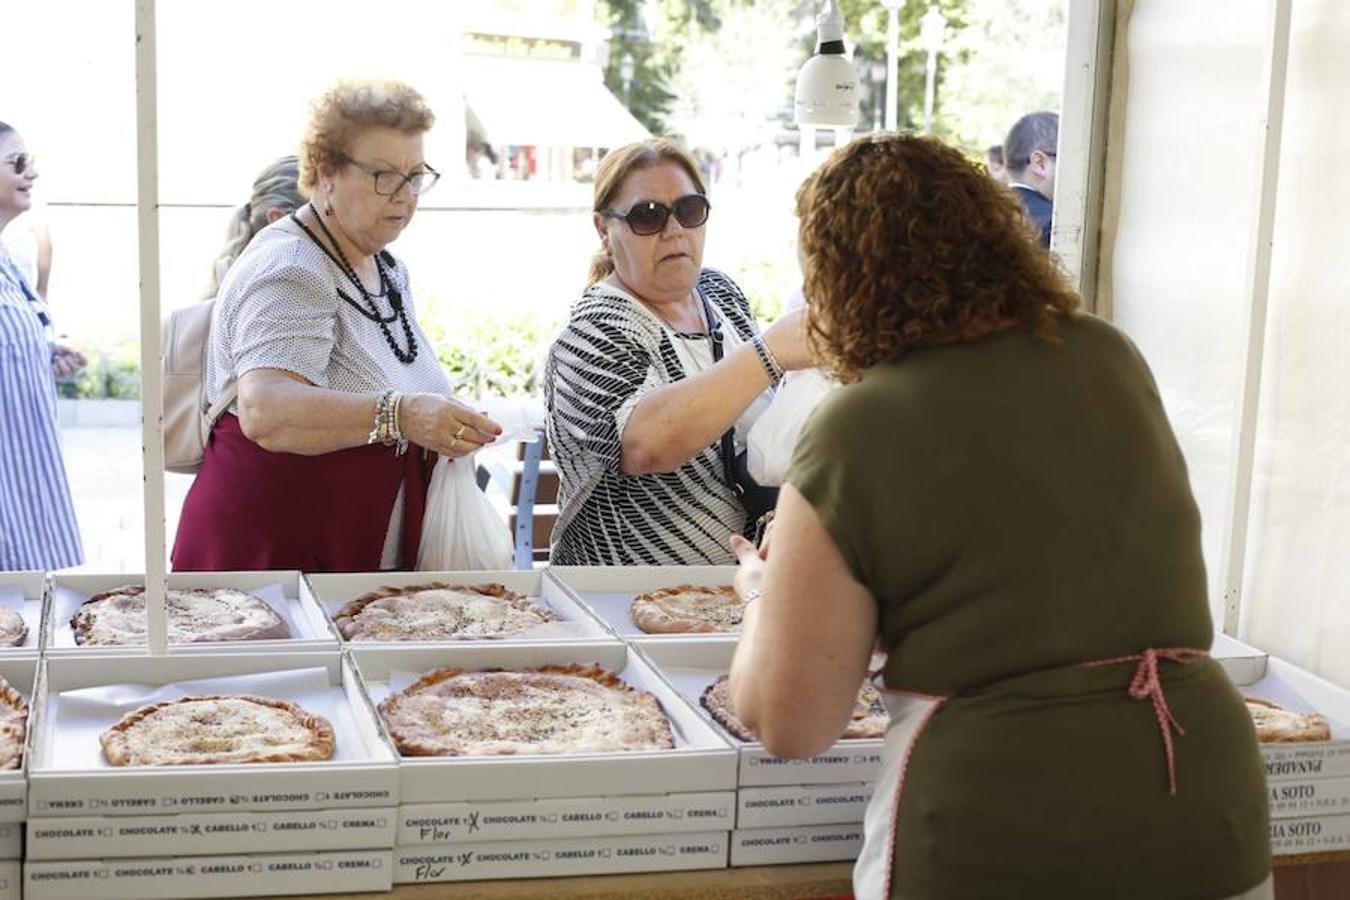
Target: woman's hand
{"points": [[786, 339], [444, 425]]}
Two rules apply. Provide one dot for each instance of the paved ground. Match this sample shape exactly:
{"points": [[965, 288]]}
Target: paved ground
{"points": [[104, 465]]}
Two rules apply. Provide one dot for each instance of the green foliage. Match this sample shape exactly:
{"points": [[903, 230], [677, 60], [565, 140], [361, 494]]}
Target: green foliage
{"points": [[489, 355], [113, 373], [647, 94]]}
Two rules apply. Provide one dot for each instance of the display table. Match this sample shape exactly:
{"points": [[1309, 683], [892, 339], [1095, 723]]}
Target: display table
{"points": [[1312, 876], [809, 880]]}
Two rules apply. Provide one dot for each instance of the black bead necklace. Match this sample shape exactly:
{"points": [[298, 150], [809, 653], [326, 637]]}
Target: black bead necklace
{"points": [[369, 309]]}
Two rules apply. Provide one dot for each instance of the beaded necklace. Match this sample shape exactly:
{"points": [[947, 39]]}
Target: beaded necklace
{"points": [[369, 309]]}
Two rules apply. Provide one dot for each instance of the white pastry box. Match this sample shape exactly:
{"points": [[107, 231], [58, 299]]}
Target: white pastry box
{"points": [[560, 857], [608, 591], [804, 843], [700, 762], [1243, 662], [22, 675], [1293, 688], [24, 593], [209, 876], [578, 624], [11, 880], [805, 804], [1311, 834], [107, 837], [505, 820], [286, 592], [81, 696], [691, 666]]}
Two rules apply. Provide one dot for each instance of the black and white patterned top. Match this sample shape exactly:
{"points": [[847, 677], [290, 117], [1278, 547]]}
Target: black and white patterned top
{"points": [[611, 353], [278, 308]]}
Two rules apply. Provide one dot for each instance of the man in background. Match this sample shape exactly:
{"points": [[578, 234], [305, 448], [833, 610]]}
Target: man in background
{"points": [[1029, 153]]}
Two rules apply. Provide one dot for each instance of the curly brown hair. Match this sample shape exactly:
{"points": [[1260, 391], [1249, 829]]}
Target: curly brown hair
{"points": [[908, 245], [350, 107]]}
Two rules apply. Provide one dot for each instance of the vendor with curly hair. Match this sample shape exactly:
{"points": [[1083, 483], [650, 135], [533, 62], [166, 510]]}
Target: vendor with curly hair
{"points": [[996, 499]]}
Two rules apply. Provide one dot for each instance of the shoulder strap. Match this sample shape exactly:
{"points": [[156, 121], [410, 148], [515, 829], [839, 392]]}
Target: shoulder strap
{"points": [[728, 441]]}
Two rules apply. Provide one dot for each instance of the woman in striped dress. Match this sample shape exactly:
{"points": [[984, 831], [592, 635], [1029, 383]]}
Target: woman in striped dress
{"points": [[37, 519], [659, 359]]}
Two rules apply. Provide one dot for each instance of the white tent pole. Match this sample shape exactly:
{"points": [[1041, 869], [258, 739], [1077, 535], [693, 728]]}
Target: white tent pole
{"points": [[152, 381], [1083, 125], [1258, 282]]}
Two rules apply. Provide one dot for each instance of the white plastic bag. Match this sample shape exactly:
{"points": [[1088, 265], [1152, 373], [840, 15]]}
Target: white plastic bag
{"points": [[773, 437], [461, 530]]}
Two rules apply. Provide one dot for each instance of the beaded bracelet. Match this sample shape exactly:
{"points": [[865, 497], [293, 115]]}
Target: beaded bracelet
{"points": [[767, 360], [386, 430]]}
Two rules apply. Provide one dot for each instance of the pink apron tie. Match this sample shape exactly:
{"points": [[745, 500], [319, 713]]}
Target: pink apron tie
{"points": [[1146, 684]]}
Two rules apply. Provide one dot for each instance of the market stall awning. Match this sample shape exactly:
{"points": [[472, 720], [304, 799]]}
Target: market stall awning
{"points": [[533, 102]]}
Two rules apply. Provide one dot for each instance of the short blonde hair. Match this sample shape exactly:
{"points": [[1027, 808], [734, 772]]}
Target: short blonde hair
{"points": [[623, 161], [347, 109]]}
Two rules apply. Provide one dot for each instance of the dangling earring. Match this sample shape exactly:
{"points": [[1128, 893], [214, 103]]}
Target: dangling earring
{"points": [[328, 207]]}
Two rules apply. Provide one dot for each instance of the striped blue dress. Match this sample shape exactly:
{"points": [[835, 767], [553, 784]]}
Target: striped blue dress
{"points": [[37, 518]]}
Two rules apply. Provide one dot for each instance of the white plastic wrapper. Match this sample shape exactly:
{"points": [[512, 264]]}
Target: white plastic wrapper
{"points": [[522, 419], [461, 530], [773, 437]]}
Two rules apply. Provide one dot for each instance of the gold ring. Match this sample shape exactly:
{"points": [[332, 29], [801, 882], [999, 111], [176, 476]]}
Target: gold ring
{"points": [[454, 442], [459, 433]]}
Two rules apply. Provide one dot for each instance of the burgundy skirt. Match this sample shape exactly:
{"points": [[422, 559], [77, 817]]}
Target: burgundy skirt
{"points": [[251, 509]]}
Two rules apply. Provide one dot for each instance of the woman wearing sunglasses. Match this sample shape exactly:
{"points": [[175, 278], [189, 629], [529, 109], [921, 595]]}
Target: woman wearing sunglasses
{"points": [[659, 360], [37, 519], [335, 391]]}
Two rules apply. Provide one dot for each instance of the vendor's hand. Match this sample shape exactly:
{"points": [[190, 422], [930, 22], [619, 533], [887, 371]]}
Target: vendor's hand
{"points": [[750, 571], [787, 341], [444, 425], [67, 362]]}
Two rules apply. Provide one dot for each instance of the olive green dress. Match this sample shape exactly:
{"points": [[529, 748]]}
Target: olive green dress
{"points": [[1020, 508]]}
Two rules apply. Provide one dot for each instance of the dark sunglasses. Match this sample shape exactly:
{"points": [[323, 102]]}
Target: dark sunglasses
{"points": [[22, 162], [649, 217]]}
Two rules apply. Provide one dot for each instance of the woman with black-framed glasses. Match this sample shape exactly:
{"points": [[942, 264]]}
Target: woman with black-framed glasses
{"points": [[333, 393], [37, 518], [657, 377]]}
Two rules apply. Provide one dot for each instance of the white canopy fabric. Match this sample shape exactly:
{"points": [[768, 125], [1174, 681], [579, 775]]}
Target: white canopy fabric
{"points": [[533, 102], [1177, 230]]}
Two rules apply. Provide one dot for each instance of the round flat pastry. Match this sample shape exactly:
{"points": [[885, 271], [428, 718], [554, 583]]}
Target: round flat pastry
{"points": [[13, 629], [869, 718], [1274, 724], [552, 709], [117, 617], [688, 608], [13, 725], [440, 612], [221, 729]]}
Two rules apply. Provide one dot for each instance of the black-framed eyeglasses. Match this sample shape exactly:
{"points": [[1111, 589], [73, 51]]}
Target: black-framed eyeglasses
{"points": [[650, 216], [389, 182], [21, 162]]}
